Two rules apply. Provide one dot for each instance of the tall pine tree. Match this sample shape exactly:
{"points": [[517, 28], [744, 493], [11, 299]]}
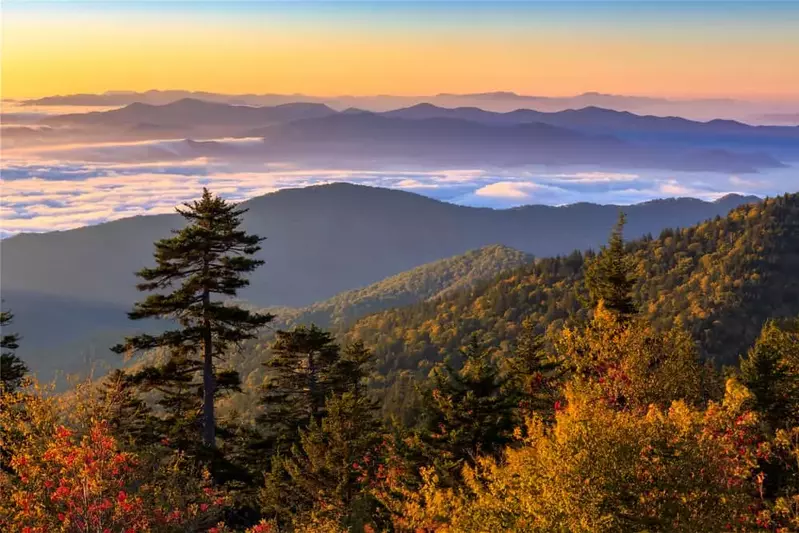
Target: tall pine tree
{"points": [[207, 258], [609, 276], [12, 369]]}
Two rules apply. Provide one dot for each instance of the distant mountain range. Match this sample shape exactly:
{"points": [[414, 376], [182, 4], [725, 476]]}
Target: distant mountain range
{"points": [[321, 241], [697, 108], [425, 134]]}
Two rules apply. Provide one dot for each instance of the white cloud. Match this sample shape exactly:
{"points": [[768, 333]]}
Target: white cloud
{"points": [[509, 189], [43, 192]]}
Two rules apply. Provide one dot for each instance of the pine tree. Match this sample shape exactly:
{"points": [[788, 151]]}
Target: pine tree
{"points": [[609, 276], [329, 465], [130, 418], [12, 369], [325, 449], [771, 371], [534, 372], [209, 257], [305, 369], [466, 412]]}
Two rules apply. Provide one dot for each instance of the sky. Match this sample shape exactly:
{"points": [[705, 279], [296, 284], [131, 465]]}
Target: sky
{"points": [[709, 49]]}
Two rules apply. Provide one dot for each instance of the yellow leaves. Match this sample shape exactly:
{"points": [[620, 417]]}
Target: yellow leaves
{"points": [[736, 396], [600, 469]]}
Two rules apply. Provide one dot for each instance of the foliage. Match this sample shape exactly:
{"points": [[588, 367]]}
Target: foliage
{"points": [[629, 365], [600, 469], [79, 479]]}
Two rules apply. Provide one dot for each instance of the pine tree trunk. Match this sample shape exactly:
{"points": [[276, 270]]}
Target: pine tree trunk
{"points": [[209, 425], [312, 387]]}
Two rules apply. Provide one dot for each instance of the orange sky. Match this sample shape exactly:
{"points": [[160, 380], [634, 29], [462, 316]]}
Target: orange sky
{"points": [[326, 49]]}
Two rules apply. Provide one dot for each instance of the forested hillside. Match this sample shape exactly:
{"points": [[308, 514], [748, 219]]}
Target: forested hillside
{"points": [[568, 395], [720, 279], [321, 241], [433, 280]]}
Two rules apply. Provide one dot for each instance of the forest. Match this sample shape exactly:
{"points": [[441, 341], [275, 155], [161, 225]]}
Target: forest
{"points": [[648, 386]]}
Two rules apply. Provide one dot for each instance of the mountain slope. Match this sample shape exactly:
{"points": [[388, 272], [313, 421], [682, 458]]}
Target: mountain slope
{"points": [[426, 282], [321, 241], [326, 239], [649, 130], [190, 112], [721, 279]]}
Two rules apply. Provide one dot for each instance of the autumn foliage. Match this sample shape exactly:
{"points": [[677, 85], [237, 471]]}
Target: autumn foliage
{"points": [[609, 421], [59, 479]]}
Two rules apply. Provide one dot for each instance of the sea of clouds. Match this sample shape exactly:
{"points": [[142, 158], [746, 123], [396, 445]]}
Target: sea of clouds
{"points": [[68, 187]]}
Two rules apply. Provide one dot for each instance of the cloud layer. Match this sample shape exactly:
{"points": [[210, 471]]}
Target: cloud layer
{"points": [[61, 189]]}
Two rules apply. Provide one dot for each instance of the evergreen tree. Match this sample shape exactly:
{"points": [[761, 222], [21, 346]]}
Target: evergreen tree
{"points": [[609, 276], [329, 428], [466, 412], [535, 374], [129, 417], [329, 465], [175, 389], [771, 371], [306, 367], [209, 257], [12, 369]]}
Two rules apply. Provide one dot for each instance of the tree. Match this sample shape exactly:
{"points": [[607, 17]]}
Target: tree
{"points": [[609, 277], [466, 412], [601, 470], [209, 257], [326, 472], [771, 371], [327, 429], [306, 368], [629, 365], [535, 373], [301, 371], [12, 369]]}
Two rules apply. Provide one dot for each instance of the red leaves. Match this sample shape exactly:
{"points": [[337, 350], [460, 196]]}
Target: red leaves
{"points": [[87, 483]]}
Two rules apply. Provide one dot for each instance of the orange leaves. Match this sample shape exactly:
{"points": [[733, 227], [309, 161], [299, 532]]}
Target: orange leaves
{"points": [[70, 486], [83, 484]]}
